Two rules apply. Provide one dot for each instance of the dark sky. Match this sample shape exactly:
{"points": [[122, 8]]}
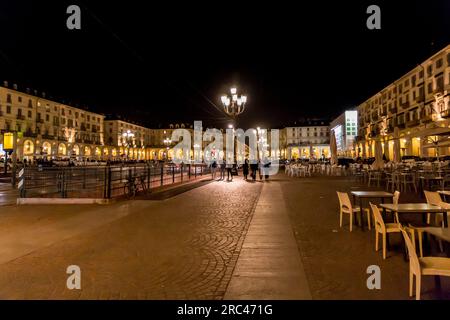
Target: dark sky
{"points": [[163, 61]]}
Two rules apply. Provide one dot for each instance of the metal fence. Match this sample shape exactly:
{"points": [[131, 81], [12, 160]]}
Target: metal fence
{"points": [[102, 181]]}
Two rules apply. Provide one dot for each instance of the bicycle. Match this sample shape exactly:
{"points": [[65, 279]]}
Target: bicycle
{"points": [[130, 188]]}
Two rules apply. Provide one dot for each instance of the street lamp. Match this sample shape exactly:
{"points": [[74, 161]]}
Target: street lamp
{"points": [[167, 142], [126, 135], [233, 104]]}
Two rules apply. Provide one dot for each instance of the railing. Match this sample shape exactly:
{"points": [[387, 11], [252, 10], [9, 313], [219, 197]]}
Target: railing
{"points": [[412, 123], [102, 181]]}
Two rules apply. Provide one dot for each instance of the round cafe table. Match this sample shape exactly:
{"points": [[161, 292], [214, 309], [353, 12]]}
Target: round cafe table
{"points": [[361, 195]]}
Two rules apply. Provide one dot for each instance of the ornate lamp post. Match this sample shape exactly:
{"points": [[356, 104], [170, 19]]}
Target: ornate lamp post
{"points": [[126, 140], [167, 143], [233, 104]]}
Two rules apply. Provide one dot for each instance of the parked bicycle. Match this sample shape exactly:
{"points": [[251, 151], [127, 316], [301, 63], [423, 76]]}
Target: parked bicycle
{"points": [[133, 186]]}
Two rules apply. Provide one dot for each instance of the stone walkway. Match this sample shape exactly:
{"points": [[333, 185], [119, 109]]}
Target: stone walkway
{"points": [[269, 266], [185, 247]]}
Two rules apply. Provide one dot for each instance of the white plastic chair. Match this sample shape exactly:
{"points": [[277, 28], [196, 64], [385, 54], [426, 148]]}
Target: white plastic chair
{"points": [[428, 266], [383, 228], [345, 206]]}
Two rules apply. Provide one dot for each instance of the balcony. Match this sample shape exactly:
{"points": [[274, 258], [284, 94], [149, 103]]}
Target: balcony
{"points": [[426, 119], [393, 110], [420, 98], [401, 125], [445, 113], [383, 111], [405, 105], [47, 136], [390, 128], [438, 90], [62, 139], [20, 117], [39, 120], [30, 134], [412, 123]]}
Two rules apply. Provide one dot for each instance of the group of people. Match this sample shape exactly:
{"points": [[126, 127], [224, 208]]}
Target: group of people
{"points": [[247, 169]]}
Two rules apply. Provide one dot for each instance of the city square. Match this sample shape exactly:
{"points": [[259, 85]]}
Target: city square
{"points": [[232, 166]]}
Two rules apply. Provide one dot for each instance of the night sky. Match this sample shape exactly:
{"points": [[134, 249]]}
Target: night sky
{"points": [[165, 61]]}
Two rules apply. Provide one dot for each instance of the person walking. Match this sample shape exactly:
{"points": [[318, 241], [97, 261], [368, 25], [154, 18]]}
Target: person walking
{"points": [[222, 170], [229, 167], [254, 168], [213, 170], [245, 168], [266, 168], [260, 169]]}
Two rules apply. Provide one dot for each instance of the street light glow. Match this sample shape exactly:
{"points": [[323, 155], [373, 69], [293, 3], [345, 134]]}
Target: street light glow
{"points": [[233, 104]]}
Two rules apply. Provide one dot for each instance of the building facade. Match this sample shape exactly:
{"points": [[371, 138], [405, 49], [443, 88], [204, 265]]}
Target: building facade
{"points": [[309, 139], [414, 109], [345, 129], [45, 128]]}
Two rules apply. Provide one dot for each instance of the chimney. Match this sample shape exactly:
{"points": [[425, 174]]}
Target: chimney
{"points": [[43, 94], [5, 84], [27, 90], [15, 86]]}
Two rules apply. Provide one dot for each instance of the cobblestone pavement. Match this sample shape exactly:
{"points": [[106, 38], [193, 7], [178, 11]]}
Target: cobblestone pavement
{"points": [[335, 259], [8, 194], [182, 248]]}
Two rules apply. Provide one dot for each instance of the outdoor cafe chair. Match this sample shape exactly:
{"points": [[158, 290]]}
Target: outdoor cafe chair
{"points": [[391, 180], [395, 199], [427, 266], [374, 176], [434, 198], [408, 179], [345, 206], [382, 228]]}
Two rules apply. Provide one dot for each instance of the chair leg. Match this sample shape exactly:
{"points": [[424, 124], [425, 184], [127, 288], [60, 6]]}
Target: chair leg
{"points": [[368, 220], [384, 246], [376, 240], [411, 283], [441, 247], [351, 221], [419, 235], [340, 218], [418, 280]]}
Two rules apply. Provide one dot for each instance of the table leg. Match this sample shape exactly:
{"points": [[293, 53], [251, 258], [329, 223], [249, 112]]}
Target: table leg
{"points": [[405, 250], [388, 245], [384, 210], [445, 219], [361, 223]]}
